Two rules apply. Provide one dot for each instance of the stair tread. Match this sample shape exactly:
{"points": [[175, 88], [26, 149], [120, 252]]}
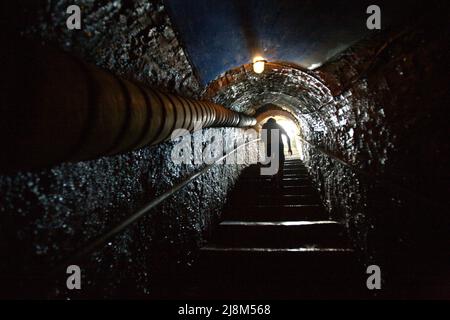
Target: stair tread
{"points": [[266, 213], [272, 218], [268, 179], [213, 247], [283, 195], [285, 206], [259, 207], [280, 234], [277, 242], [302, 189], [278, 223]]}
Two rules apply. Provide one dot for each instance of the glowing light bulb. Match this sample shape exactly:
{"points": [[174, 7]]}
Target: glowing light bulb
{"points": [[258, 64]]}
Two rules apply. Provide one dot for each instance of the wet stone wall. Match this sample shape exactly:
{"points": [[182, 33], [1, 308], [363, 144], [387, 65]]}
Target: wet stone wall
{"points": [[134, 39], [48, 214], [390, 125]]}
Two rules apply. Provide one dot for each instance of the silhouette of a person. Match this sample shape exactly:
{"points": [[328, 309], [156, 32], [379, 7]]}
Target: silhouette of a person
{"points": [[270, 126]]}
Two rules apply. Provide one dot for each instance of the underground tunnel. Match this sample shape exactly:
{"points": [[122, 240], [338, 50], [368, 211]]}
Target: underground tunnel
{"points": [[91, 116]]}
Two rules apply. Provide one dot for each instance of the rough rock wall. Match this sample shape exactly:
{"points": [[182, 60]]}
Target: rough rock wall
{"points": [[391, 124], [135, 39], [48, 214]]}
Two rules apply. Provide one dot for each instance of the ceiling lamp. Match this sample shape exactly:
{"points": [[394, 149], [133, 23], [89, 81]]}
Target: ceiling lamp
{"points": [[258, 64]]}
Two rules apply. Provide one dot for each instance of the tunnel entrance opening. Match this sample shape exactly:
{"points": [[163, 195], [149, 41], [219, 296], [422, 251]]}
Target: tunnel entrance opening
{"points": [[288, 122], [292, 129]]}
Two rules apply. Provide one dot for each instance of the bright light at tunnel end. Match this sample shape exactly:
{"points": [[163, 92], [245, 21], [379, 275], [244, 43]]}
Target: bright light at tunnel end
{"points": [[258, 64], [288, 125]]}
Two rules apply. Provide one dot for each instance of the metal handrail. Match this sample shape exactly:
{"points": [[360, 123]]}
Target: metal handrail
{"points": [[140, 213], [334, 157], [376, 179]]}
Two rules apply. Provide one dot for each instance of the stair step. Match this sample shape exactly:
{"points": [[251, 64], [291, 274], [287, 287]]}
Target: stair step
{"points": [[257, 272], [300, 191], [277, 242], [298, 164], [274, 199], [295, 167], [266, 182], [301, 264], [280, 223], [289, 177], [295, 172], [262, 273], [248, 260], [303, 199], [277, 213], [306, 189], [257, 250], [280, 234], [287, 174], [275, 264], [297, 178], [297, 183], [279, 208]]}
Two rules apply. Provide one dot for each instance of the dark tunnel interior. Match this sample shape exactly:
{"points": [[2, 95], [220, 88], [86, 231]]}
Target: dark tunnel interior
{"points": [[90, 124]]}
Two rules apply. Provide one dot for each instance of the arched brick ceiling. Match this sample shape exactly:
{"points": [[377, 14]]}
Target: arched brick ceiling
{"points": [[221, 35], [291, 88], [272, 110]]}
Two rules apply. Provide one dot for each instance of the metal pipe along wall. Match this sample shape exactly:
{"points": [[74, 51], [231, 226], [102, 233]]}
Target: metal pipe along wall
{"points": [[56, 108]]}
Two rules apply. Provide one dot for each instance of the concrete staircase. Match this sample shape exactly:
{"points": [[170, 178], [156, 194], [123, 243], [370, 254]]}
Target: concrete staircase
{"points": [[277, 243]]}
